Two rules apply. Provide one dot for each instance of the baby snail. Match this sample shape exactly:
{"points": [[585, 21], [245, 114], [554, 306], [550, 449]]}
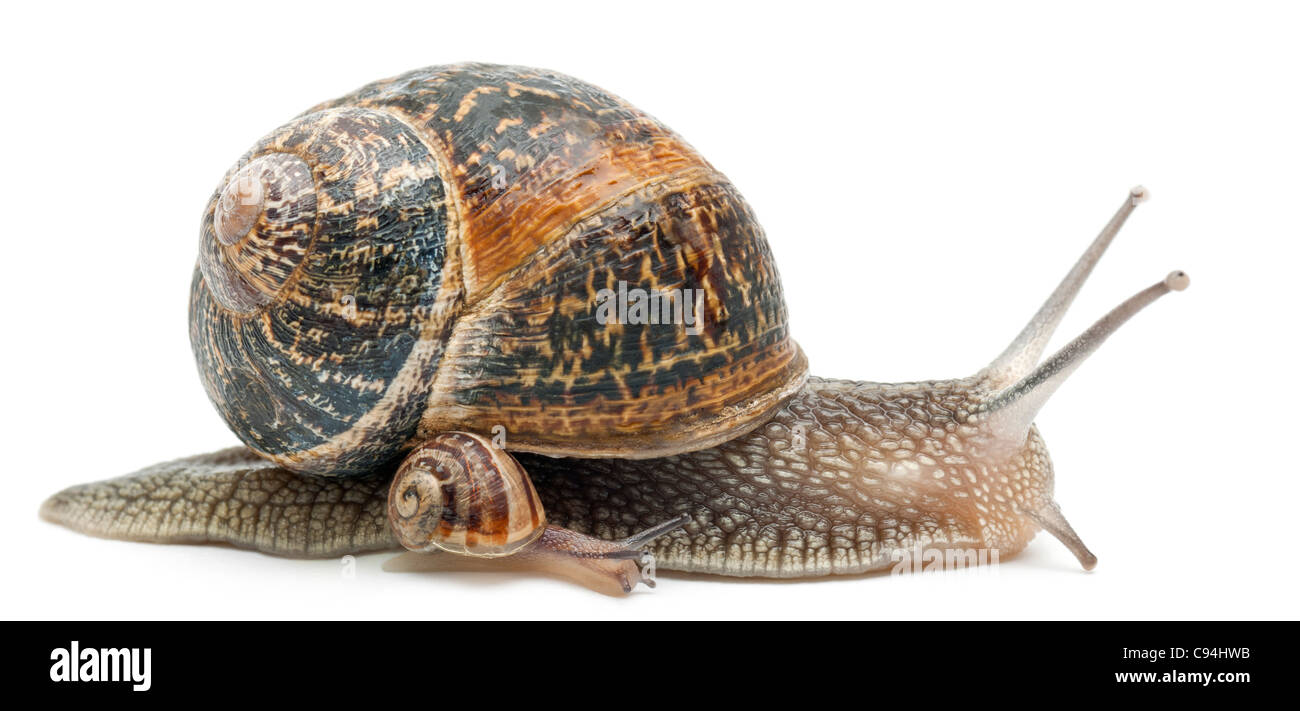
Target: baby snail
{"points": [[498, 314]]}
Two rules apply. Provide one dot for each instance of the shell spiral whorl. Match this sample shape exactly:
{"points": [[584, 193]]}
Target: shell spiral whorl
{"points": [[263, 223], [460, 493], [314, 312]]}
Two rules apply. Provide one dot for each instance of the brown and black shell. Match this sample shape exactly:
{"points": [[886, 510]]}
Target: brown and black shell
{"points": [[430, 254]]}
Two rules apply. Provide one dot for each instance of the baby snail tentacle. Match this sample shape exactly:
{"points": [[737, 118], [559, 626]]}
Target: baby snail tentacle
{"points": [[460, 493]]}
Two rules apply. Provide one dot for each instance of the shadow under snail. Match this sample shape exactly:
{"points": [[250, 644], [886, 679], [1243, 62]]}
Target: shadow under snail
{"points": [[397, 308]]}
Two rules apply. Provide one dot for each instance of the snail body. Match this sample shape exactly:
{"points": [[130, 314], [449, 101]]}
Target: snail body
{"points": [[392, 277]]}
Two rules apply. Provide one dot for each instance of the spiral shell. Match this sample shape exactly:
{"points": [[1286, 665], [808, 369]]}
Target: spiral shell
{"points": [[428, 254], [317, 330], [263, 223], [460, 493]]}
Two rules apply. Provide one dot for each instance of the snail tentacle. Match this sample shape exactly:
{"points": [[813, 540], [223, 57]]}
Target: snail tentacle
{"points": [[1020, 357]]}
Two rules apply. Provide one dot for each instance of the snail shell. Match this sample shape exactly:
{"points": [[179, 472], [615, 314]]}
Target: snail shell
{"points": [[460, 493], [425, 255]]}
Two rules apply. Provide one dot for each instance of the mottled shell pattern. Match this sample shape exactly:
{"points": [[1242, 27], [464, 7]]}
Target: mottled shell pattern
{"points": [[425, 254]]}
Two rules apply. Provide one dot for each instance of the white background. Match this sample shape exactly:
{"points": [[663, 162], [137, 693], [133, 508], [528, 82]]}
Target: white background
{"points": [[925, 175]]}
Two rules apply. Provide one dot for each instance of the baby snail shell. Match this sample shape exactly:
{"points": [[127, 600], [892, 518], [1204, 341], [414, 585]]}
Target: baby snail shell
{"points": [[450, 494]]}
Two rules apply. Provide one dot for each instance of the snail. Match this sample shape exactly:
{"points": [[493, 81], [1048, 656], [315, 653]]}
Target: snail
{"points": [[452, 312]]}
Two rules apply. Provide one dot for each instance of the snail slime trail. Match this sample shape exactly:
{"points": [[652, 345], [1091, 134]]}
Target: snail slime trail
{"points": [[392, 276]]}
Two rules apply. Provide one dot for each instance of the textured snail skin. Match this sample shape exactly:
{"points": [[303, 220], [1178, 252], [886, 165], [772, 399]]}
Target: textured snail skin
{"points": [[232, 496], [883, 468]]}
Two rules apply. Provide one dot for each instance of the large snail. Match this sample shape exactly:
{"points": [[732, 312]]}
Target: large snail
{"points": [[401, 287]]}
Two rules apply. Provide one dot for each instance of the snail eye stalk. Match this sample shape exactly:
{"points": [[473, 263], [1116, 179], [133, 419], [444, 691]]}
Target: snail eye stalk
{"points": [[1023, 353], [1013, 409]]}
